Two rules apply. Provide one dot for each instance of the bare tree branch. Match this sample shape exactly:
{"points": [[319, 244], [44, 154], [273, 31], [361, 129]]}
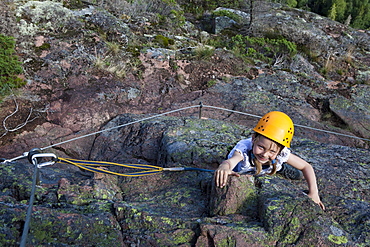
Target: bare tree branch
{"points": [[19, 126], [279, 59]]}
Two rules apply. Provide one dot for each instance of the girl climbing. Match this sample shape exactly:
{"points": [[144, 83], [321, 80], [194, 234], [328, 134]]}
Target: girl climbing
{"points": [[267, 152]]}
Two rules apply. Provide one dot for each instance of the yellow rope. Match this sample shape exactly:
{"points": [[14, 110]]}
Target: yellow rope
{"points": [[93, 166]]}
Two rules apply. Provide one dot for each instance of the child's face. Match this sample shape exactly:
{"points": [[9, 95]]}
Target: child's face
{"points": [[264, 149]]}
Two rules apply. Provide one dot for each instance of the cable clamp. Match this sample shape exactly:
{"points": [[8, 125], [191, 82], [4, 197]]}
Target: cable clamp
{"points": [[174, 169], [14, 159]]}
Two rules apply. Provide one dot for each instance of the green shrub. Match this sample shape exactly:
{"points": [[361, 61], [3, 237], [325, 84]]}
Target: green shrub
{"points": [[229, 14], [72, 4], [204, 52], [211, 83], [264, 49], [10, 66], [163, 41], [255, 48], [198, 7], [219, 41], [177, 18]]}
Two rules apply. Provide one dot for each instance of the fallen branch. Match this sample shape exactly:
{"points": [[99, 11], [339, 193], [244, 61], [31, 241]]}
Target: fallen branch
{"points": [[278, 60]]}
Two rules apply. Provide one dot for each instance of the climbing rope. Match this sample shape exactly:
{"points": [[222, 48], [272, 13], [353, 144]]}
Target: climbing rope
{"points": [[34, 158], [94, 166]]}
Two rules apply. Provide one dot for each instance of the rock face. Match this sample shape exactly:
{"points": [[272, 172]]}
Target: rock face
{"points": [[183, 208], [356, 112], [91, 69]]}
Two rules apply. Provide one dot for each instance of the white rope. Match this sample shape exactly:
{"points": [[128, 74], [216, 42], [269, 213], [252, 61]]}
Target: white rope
{"points": [[119, 126], [189, 107], [296, 125], [224, 109], [331, 132]]}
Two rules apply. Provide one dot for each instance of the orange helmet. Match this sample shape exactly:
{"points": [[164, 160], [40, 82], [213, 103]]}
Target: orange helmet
{"points": [[276, 126]]}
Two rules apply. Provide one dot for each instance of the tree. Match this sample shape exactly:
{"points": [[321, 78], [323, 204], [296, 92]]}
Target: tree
{"points": [[361, 14], [333, 12], [292, 3], [303, 4], [340, 9]]}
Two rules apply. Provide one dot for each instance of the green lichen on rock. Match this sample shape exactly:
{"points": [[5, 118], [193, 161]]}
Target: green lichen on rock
{"points": [[203, 141], [106, 188], [49, 227], [75, 194], [227, 242], [42, 233], [338, 239], [10, 221], [291, 232], [239, 196], [182, 236]]}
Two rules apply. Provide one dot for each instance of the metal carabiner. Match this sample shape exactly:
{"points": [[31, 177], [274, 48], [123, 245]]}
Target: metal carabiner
{"points": [[34, 157], [43, 155]]}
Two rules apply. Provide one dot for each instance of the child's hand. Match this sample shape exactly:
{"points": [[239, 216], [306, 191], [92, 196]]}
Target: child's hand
{"points": [[221, 175], [315, 197]]}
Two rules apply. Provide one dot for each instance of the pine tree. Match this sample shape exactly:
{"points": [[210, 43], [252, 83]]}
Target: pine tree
{"points": [[333, 12], [340, 9]]}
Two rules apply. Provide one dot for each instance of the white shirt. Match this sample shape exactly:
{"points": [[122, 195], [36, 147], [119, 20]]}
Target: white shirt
{"points": [[245, 146]]}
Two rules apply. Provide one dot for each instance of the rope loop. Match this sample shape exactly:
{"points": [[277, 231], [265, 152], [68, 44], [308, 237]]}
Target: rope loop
{"points": [[95, 166]]}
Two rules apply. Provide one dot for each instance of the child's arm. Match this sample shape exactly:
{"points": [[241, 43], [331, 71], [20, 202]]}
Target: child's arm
{"points": [[309, 175], [226, 168]]}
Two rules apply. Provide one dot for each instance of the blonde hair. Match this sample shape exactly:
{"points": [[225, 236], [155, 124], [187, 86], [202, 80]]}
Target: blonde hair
{"points": [[259, 164]]}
